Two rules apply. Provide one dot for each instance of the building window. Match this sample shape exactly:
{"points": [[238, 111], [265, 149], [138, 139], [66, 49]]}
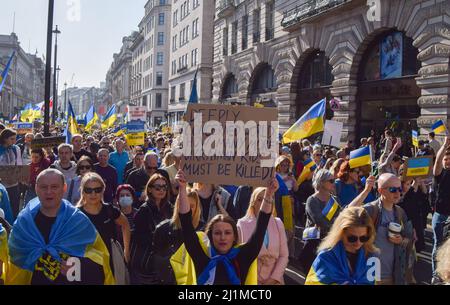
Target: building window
{"points": [[159, 58], [230, 87], [144, 101], [225, 42], [174, 67], [159, 78], [158, 101], [175, 18], [234, 32], [160, 38], [316, 72], [194, 55], [161, 19], [256, 25], [182, 91], [265, 80], [174, 42], [270, 20], [244, 32], [195, 4], [172, 94], [162, 2], [195, 28]]}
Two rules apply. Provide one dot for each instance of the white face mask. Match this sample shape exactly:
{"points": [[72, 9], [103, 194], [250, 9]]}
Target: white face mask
{"points": [[125, 201]]}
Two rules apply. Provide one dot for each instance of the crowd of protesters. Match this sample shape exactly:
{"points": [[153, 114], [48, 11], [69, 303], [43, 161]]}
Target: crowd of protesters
{"points": [[134, 205]]}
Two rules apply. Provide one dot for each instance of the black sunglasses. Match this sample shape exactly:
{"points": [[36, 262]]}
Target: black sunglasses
{"points": [[96, 190], [159, 187], [353, 239]]}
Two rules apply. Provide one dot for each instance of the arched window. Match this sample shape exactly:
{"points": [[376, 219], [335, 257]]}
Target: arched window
{"points": [[265, 80], [230, 86], [316, 72]]}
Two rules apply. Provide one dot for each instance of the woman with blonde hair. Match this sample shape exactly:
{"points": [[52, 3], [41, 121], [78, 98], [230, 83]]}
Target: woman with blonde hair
{"points": [[344, 254], [168, 238], [103, 215], [273, 257], [283, 167]]}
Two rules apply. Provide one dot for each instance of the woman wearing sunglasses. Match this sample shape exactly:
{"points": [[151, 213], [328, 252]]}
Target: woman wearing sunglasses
{"points": [[156, 208], [104, 216], [84, 165], [344, 254]]}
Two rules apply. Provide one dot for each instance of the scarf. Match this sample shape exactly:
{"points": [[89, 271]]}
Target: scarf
{"points": [[207, 277]]}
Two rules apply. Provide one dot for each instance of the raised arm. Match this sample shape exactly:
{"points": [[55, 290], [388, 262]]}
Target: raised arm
{"points": [[359, 200], [437, 170]]}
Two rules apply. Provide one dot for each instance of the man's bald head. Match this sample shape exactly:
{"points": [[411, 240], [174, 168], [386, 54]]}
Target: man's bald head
{"points": [[388, 180], [51, 172]]}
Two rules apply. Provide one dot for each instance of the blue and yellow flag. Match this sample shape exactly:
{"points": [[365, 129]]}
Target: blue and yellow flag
{"points": [[110, 118], [3, 252], [283, 205], [72, 235], [360, 157], [91, 118], [72, 125], [415, 138], [331, 268], [4, 74], [120, 130], [419, 167], [331, 208], [310, 123], [309, 167], [30, 113], [439, 127]]}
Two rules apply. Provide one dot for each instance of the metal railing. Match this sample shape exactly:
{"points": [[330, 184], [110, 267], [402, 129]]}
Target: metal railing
{"points": [[309, 9]]}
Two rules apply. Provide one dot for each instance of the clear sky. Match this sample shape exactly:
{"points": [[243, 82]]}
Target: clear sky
{"points": [[89, 35]]}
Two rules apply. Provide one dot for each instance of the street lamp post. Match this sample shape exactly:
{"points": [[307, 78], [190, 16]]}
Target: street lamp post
{"points": [[65, 98], [55, 92], [48, 68]]}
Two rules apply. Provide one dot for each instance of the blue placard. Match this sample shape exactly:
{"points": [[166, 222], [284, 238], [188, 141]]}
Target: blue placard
{"points": [[135, 127], [24, 126]]}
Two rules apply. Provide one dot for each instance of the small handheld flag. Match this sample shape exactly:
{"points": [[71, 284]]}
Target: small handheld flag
{"points": [[310, 123], [415, 138], [360, 157], [309, 167], [330, 209], [439, 127]]}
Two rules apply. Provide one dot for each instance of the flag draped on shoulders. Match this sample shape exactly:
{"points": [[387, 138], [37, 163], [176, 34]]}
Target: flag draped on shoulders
{"points": [[310, 123], [283, 204], [3, 252], [331, 268], [72, 234]]}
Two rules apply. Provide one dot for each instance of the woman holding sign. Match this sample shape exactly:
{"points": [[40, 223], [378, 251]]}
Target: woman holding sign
{"points": [[217, 258]]}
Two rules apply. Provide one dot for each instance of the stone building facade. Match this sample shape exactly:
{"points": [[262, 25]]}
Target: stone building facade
{"points": [[328, 48]]}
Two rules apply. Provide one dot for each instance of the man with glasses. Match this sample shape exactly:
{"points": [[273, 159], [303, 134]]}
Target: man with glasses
{"points": [[108, 174], [383, 212], [138, 178]]}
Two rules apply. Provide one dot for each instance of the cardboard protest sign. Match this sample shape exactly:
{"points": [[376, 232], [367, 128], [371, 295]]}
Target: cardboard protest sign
{"points": [[47, 142], [137, 113], [12, 174], [135, 139], [227, 144], [420, 167], [332, 133]]}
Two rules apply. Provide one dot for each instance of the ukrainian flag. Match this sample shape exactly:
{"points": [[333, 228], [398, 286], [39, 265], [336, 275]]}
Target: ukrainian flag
{"points": [[30, 113], [283, 204], [5, 71], [120, 130], [310, 123], [439, 127], [91, 118], [331, 208], [72, 126], [110, 118], [331, 268], [3, 252], [418, 167], [71, 235], [309, 167], [361, 157], [415, 138]]}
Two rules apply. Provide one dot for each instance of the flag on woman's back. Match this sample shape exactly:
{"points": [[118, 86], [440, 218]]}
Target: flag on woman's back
{"points": [[310, 123]]}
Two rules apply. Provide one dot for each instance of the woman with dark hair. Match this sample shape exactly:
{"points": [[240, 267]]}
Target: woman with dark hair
{"points": [[218, 260], [126, 197], [347, 184], [10, 156], [84, 165], [156, 208], [39, 163]]}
